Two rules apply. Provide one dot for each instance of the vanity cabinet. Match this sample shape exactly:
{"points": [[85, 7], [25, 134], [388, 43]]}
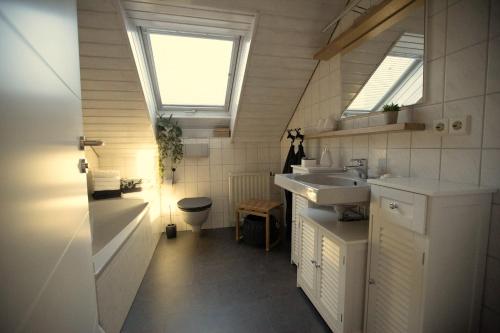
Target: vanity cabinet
{"points": [[426, 256], [299, 203], [332, 267]]}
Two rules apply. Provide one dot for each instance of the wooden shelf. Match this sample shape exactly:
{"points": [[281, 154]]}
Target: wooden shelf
{"points": [[375, 21], [369, 130]]}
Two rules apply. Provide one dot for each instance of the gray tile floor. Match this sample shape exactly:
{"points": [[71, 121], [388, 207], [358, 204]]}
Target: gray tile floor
{"points": [[210, 283]]}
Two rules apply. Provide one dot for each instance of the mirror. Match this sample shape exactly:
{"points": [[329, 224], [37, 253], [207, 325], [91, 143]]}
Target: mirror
{"points": [[385, 69]]}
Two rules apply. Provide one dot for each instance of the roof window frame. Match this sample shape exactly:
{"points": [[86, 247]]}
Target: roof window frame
{"points": [[236, 39]]}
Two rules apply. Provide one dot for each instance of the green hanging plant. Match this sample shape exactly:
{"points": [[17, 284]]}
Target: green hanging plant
{"points": [[170, 145]]}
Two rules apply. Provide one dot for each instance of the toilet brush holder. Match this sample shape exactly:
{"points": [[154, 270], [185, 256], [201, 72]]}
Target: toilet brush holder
{"points": [[171, 230]]}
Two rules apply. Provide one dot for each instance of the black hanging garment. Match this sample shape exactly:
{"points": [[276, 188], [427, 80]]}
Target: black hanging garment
{"points": [[291, 159], [300, 153]]}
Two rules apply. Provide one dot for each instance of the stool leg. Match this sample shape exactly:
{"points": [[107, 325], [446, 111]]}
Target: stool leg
{"points": [[237, 225], [267, 232]]}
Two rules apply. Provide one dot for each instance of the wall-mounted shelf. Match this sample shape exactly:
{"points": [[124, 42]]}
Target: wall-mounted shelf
{"points": [[369, 130], [378, 19]]}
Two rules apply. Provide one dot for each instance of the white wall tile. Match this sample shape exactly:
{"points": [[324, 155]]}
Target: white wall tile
{"points": [[215, 143], [467, 24], [436, 36], [427, 138], [435, 6], [465, 72], [227, 156], [398, 162], [490, 171], [493, 76], [360, 141], [190, 173], [378, 141], [492, 121], [377, 162], [425, 163], [472, 107], [460, 165], [434, 81], [494, 244], [399, 140], [203, 189], [203, 173]]}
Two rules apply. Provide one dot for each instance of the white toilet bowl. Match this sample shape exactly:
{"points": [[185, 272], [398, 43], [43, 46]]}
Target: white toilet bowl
{"points": [[194, 211]]}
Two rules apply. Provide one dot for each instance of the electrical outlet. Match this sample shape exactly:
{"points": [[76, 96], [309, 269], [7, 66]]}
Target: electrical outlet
{"points": [[440, 126], [460, 125]]}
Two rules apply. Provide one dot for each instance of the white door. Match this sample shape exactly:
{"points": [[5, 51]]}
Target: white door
{"points": [[45, 243], [331, 283], [395, 279], [307, 264]]}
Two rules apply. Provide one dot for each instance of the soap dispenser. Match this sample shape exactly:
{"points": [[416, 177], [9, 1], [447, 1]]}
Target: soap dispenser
{"points": [[325, 160]]}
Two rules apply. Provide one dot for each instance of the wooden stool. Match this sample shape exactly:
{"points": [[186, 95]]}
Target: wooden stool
{"points": [[260, 208]]}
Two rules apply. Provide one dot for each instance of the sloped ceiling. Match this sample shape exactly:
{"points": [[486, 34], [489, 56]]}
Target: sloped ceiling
{"points": [[280, 64], [113, 103]]}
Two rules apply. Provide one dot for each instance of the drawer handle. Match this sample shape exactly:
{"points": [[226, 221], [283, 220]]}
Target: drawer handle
{"points": [[313, 262], [393, 205], [318, 265], [371, 281]]}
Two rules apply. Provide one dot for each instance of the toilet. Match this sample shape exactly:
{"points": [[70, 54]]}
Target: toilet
{"points": [[194, 211]]}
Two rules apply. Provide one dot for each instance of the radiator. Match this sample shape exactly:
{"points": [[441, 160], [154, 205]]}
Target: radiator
{"points": [[244, 186]]}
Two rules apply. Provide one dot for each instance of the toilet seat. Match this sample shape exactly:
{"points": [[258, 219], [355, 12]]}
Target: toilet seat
{"points": [[197, 204]]}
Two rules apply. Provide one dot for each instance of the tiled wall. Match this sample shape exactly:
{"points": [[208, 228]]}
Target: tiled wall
{"points": [[143, 164], [462, 76], [208, 176]]}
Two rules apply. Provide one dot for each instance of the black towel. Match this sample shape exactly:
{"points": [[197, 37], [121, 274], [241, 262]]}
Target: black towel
{"points": [[106, 194]]}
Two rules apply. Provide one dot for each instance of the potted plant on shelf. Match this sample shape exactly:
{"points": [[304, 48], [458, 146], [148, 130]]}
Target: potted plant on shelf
{"points": [[391, 113], [170, 145]]}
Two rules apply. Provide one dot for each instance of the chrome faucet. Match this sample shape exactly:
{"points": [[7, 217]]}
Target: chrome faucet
{"points": [[360, 165]]}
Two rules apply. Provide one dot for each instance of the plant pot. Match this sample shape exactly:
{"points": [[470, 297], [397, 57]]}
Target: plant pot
{"points": [[390, 117]]}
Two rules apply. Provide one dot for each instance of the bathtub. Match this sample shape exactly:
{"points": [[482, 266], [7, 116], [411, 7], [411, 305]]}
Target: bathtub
{"points": [[125, 233], [113, 221]]}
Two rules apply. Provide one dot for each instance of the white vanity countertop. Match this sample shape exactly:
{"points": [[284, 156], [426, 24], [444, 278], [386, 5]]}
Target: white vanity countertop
{"points": [[348, 232], [431, 187]]}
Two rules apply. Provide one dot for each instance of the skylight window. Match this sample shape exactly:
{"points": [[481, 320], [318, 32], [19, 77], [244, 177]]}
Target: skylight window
{"points": [[191, 71]]}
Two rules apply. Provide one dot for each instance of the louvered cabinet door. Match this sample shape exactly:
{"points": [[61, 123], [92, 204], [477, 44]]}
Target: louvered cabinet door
{"points": [[331, 279], [298, 203], [307, 263], [296, 241], [395, 279]]}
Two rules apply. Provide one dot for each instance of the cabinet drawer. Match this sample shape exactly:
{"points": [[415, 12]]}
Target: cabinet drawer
{"points": [[402, 208]]}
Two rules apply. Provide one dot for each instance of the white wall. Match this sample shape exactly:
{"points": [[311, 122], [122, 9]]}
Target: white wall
{"points": [[461, 77], [209, 177]]}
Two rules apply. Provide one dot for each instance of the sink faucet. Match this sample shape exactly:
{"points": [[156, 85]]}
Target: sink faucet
{"points": [[360, 165]]}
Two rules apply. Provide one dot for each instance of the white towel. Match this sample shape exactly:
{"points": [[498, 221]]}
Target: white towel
{"points": [[105, 173], [107, 181], [106, 188]]}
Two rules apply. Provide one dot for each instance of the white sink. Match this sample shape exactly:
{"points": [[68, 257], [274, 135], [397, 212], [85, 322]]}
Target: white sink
{"points": [[326, 189]]}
